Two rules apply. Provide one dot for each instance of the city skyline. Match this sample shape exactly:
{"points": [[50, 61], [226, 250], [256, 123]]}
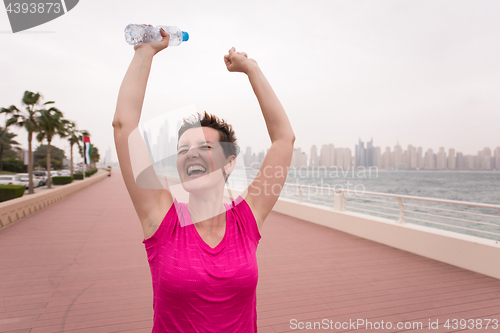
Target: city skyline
{"points": [[388, 158], [168, 146]]}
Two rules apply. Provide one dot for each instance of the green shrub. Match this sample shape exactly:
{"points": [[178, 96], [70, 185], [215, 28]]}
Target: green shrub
{"points": [[62, 180], [78, 176], [14, 165], [90, 172], [8, 192]]}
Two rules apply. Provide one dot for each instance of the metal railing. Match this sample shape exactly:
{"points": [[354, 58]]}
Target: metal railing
{"points": [[401, 208]]}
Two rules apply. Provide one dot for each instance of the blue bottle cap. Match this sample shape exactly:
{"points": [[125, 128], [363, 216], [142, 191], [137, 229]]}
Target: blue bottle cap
{"points": [[185, 36]]}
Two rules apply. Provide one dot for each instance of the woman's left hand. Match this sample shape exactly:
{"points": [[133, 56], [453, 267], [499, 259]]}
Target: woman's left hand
{"points": [[238, 61]]}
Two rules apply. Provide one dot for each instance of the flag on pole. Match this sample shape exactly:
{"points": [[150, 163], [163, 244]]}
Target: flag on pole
{"points": [[87, 147]]}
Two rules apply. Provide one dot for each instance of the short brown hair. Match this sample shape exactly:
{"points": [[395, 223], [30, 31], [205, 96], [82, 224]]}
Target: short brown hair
{"points": [[226, 132]]}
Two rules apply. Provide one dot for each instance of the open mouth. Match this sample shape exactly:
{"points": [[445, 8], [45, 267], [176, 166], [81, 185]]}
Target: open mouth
{"points": [[196, 170]]}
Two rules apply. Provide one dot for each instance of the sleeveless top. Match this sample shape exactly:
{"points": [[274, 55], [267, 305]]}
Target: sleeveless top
{"points": [[197, 288]]}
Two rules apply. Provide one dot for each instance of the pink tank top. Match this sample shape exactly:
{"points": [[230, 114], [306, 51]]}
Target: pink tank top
{"points": [[202, 289]]}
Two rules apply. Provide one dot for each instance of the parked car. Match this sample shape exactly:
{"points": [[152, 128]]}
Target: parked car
{"points": [[54, 174], [41, 176], [25, 179], [64, 173], [10, 180]]}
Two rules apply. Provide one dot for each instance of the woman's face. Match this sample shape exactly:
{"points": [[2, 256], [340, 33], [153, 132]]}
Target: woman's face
{"points": [[201, 163]]}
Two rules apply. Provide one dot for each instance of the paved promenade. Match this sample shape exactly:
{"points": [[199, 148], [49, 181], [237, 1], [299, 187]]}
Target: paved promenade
{"points": [[80, 266]]}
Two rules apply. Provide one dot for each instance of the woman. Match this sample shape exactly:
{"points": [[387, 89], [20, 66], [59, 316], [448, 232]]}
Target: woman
{"points": [[202, 254]]}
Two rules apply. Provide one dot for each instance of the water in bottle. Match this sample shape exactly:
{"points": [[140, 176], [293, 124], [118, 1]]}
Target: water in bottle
{"points": [[136, 34]]}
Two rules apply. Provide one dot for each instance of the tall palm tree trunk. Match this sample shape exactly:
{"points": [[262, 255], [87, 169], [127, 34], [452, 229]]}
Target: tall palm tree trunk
{"points": [[30, 164], [49, 179], [71, 158], [1, 157]]}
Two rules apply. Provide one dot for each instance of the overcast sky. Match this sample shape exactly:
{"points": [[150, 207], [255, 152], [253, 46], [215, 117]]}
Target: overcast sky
{"points": [[419, 72]]}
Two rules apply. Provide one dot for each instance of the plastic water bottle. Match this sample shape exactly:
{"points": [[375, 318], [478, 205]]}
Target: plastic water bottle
{"points": [[136, 34]]}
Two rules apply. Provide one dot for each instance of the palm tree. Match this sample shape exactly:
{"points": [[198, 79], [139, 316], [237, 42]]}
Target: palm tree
{"points": [[27, 120], [6, 143], [51, 123], [74, 138], [94, 156]]}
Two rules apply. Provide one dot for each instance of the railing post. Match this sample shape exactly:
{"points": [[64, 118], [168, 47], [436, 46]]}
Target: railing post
{"points": [[339, 201], [300, 193], [401, 211]]}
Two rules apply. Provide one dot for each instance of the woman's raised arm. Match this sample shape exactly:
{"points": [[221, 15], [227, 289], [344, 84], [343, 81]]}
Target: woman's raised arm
{"points": [[150, 205], [265, 189]]}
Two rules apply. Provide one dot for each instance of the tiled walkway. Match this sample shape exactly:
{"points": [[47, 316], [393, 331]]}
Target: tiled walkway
{"points": [[80, 266]]}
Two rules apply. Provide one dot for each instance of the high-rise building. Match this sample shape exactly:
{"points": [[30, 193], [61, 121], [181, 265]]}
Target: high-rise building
{"points": [[398, 157], [479, 160], [486, 164], [299, 159], [430, 162], [343, 158], [469, 162], [327, 155], [146, 135], [260, 157], [441, 159], [483, 159], [247, 157], [497, 158], [360, 153], [331, 149], [411, 157], [388, 159], [313, 162], [303, 159], [452, 161], [163, 143], [378, 158], [460, 161], [420, 159], [365, 157]]}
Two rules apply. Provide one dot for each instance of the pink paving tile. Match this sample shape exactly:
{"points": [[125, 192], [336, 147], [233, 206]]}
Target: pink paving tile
{"points": [[73, 269]]}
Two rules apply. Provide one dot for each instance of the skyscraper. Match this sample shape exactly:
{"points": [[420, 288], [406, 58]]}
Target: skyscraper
{"points": [[247, 157], [365, 157], [299, 159], [469, 162], [327, 155], [452, 161], [441, 159], [430, 162], [460, 165], [398, 157], [420, 159], [313, 162], [388, 159], [343, 158], [497, 158], [378, 158]]}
